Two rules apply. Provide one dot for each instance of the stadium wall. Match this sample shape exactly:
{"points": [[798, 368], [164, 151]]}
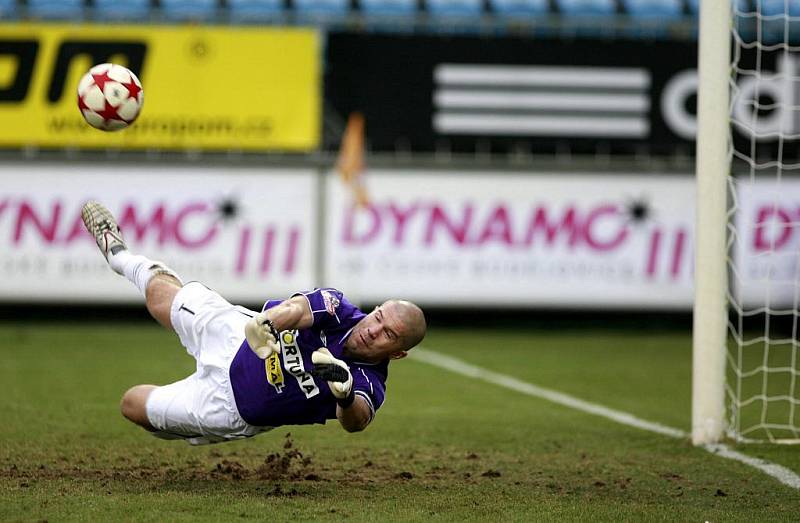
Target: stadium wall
{"points": [[442, 237], [429, 234], [529, 234], [540, 240]]}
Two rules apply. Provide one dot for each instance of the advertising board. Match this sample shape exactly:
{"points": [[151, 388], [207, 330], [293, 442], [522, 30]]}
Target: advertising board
{"points": [[246, 232]]}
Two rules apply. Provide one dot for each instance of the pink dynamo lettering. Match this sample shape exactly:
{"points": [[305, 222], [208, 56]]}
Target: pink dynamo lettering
{"points": [[27, 215], [497, 227], [600, 229], [243, 250], [400, 219], [130, 221], [539, 222], [291, 251], [592, 240], [653, 251], [438, 219], [78, 231], [350, 236], [677, 253], [761, 241], [181, 237], [266, 252]]}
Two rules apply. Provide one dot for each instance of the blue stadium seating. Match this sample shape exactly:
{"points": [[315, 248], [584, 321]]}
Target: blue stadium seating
{"points": [[255, 11], [577, 17], [586, 8], [779, 7], [663, 9], [650, 18], [520, 9], [745, 16], [56, 9], [388, 7], [454, 8], [8, 9], [588, 17], [323, 12], [455, 16], [780, 21], [396, 16], [123, 9], [743, 6], [323, 7], [189, 10]]}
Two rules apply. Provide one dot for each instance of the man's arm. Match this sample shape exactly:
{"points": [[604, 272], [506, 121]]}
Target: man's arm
{"points": [[294, 313], [353, 411], [262, 330], [356, 417]]}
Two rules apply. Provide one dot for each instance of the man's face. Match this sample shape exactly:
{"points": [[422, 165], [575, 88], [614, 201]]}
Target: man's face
{"points": [[378, 336]]}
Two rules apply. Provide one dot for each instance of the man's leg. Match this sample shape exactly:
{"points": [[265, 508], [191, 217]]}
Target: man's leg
{"points": [[158, 283], [159, 295], [134, 405]]}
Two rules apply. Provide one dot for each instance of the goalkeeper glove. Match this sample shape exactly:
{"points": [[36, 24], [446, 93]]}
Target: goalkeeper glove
{"points": [[262, 336], [336, 373]]}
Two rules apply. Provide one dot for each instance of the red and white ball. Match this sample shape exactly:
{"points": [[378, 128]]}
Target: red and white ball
{"points": [[110, 97]]}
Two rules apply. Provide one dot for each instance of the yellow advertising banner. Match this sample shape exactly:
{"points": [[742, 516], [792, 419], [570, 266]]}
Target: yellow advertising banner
{"points": [[205, 87]]}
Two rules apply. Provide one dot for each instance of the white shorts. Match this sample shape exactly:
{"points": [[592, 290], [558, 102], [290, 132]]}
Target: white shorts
{"points": [[201, 408]]}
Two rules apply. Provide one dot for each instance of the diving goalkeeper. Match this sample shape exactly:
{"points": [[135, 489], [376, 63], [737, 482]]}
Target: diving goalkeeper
{"points": [[302, 360]]}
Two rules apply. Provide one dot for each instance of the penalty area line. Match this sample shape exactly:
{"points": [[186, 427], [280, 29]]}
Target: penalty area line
{"points": [[451, 364]]}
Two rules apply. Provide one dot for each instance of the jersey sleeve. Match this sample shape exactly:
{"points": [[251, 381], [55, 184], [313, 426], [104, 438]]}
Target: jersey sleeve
{"points": [[370, 385], [270, 304], [330, 308]]}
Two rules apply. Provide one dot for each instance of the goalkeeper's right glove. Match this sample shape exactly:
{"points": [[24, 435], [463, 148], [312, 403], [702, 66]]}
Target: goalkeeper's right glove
{"points": [[336, 373], [261, 336]]}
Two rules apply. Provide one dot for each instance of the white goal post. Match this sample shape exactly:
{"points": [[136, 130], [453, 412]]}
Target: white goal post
{"points": [[712, 170], [746, 332]]}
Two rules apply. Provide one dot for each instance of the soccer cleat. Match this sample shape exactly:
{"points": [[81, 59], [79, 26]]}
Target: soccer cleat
{"points": [[102, 225]]}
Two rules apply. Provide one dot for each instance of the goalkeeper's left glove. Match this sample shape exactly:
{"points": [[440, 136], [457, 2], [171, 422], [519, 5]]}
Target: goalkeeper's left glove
{"points": [[336, 373]]}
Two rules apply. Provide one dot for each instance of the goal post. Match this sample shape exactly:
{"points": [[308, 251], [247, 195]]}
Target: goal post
{"points": [[746, 332], [712, 169]]}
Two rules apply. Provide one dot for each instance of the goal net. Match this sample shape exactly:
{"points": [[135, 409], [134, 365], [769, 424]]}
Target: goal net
{"points": [[762, 368]]}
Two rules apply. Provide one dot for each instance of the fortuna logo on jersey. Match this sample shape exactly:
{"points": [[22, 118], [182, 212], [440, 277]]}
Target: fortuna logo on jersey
{"points": [[272, 366], [331, 302], [293, 363]]}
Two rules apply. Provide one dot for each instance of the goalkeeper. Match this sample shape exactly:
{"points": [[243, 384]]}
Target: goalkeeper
{"points": [[303, 360]]}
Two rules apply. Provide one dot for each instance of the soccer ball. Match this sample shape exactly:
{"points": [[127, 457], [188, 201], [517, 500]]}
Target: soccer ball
{"points": [[110, 97]]}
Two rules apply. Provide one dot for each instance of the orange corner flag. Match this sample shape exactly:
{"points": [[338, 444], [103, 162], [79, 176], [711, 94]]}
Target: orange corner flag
{"points": [[351, 159]]}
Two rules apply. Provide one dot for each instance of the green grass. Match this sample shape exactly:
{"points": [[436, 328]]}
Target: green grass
{"points": [[442, 448]]}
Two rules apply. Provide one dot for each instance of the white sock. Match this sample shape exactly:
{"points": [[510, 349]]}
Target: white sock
{"points": [[134, 267], [138, 269], [118, 261]]}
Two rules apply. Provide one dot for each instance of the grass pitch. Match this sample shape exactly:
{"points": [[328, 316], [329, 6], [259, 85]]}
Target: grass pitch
{"points": [[442, 447]]}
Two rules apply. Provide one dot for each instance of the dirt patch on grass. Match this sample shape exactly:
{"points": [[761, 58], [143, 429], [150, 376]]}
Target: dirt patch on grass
{"points": [[288, 464]]}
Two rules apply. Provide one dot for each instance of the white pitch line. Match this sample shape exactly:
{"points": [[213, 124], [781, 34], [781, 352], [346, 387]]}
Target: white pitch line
{"points": [[779, 472], [782, 474]]}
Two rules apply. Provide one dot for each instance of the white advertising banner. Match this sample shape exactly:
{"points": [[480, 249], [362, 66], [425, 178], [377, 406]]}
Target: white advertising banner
{"points": [[553, 240], [245, 232], [767, 247]]}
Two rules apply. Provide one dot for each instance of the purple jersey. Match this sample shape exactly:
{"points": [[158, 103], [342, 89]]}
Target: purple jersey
{"points": [[281, 391]]}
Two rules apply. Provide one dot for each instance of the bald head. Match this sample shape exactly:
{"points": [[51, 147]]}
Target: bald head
{"points": [[413, 319]]}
